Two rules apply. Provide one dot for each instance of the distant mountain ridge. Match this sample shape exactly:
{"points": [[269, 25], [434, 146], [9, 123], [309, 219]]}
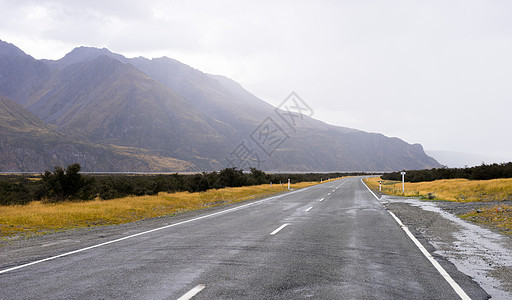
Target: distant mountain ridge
{"points": [[162, 115]]}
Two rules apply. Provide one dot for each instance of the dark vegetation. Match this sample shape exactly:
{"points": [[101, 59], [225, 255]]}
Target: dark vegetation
{"points": [[482, 172], [70, 185]]}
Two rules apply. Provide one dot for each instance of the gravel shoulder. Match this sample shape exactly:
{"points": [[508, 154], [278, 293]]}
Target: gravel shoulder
{"points": [[481, 253]]}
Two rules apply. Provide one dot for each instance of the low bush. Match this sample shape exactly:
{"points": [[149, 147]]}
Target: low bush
{"points": [[62, 185], [482, 172], [15, 190], [70, 185]]}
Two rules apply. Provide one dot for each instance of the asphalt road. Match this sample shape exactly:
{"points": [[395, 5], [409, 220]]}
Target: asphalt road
{"points": [[330, 241]]}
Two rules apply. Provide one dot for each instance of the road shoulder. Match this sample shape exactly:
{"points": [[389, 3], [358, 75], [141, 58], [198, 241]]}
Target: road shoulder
{"points": [[478, 252]]}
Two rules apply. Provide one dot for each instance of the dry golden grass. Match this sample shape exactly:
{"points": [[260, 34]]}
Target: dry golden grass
{"points": [[460, 190], [38, 217]]}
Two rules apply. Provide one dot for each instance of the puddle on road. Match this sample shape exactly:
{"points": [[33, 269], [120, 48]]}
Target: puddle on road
{"points": [[478, 252]]}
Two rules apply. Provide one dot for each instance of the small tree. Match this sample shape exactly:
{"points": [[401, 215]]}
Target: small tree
{"points": [[66, 185], [232, 177], [199, 183], [257, 177]]}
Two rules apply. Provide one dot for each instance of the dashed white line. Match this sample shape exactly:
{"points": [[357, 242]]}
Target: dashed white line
{"points": [[279, 229], [427, 254], [192, 292], [309, 209], [321, 200]]}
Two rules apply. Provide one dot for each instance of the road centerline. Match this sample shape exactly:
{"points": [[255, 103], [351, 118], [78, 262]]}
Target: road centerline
{"points": [[279, 229], [196, 290], [310, 208]]}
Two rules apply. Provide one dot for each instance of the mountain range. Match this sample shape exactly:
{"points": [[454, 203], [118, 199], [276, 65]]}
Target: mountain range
{"points": [[112, 113]]}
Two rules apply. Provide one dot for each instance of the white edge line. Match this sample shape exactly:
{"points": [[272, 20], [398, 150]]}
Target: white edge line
{"points": [[439, 268], [309, 209], [279, 229], [192, 292], [436, 265], [370, 190], [149, 231]]}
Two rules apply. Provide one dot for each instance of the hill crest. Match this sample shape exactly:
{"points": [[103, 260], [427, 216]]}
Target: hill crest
{"points": [[177, 112]]}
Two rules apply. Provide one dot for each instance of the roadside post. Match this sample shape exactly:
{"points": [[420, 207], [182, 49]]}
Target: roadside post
{"points": [[403, 181], [380, 186], [288, 183]]}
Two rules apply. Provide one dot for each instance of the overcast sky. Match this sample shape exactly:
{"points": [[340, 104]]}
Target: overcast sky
{"points": [[437, 73]]}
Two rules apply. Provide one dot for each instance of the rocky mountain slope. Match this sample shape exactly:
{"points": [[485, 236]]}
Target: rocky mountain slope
{"points": [[29, 144], [162, 115]]}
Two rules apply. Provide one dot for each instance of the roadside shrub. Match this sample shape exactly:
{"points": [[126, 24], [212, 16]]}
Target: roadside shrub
{"points": [[198, 183], [482, 172], [257, 177], [66, 185], [15, 191], [231, 177]]}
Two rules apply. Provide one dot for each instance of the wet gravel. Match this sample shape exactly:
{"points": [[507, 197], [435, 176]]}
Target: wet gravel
{"points": [[481, 253], [460, 208]]}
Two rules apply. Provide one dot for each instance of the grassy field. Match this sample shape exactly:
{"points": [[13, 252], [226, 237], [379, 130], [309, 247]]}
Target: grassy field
{"points": [[38, 217], [460, 190]]}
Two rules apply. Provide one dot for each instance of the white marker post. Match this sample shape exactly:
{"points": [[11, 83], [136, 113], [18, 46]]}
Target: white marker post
{"points": [[403, 181], [380, 186], [288, 183]]}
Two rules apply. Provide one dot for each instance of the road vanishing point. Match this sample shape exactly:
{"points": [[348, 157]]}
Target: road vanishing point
{"points": [[330, 241]]}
